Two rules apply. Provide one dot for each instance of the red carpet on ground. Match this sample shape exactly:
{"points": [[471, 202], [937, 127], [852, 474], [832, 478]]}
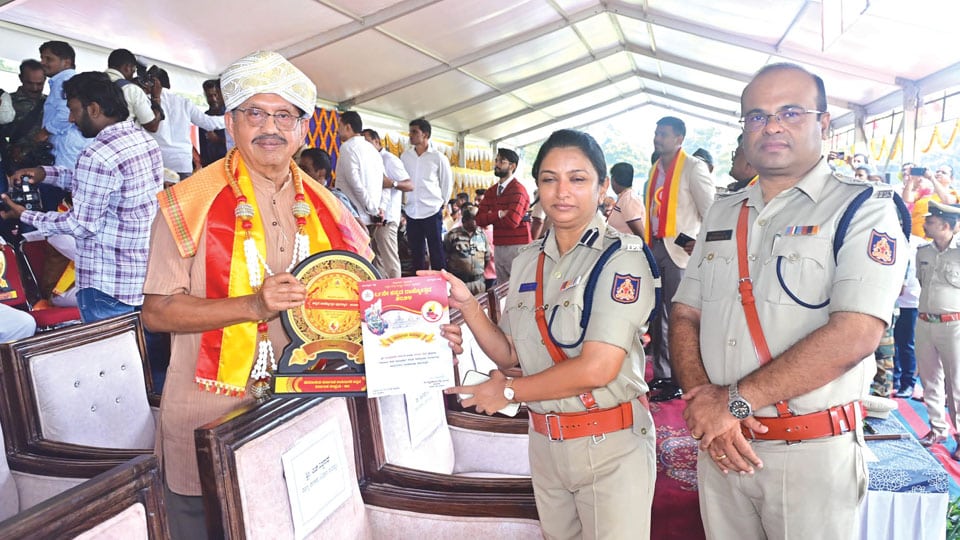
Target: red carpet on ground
{"points": [[676, 509]]}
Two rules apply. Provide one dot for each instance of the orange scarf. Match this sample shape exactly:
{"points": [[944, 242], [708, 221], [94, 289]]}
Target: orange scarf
{"points": [[667, 208], [206, 201]]}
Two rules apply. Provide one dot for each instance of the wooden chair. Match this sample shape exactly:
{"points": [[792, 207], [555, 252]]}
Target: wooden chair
{"points": [[245, 494], [124, 502], [416, 434], [83, 392]]}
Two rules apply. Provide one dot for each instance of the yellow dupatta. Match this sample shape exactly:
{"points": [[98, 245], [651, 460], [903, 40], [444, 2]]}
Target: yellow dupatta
{"points": [[666, 209], [239, 341]]}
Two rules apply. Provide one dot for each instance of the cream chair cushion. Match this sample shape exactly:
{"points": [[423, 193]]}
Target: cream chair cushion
{"points": [[263, 490], [432, 454], [400, 524], [130, 524], [9, 499], [33, 489], [488, 454], [94, 394]]}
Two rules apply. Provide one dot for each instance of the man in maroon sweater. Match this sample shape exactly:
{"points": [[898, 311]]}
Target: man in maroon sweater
{"points": [[505, 206]]}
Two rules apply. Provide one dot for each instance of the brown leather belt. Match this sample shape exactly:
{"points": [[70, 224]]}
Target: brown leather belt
{"points": [[563, 426], [939, 317], [828, 423]]}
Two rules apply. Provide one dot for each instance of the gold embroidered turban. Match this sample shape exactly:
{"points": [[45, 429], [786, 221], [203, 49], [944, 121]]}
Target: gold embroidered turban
{"points": [[266, 72]]}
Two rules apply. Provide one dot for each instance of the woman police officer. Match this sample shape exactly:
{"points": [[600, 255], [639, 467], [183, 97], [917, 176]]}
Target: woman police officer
{"points": [[575, 311]]}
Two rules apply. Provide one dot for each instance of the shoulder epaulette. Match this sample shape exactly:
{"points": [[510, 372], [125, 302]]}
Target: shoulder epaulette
{"points": [[849, 179]]}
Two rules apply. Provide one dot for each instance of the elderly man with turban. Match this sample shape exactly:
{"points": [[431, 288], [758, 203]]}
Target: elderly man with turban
{"points": [[222, 248]]}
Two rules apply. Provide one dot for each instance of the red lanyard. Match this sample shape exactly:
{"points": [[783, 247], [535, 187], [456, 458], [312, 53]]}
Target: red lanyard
{"points": [[555, 353], [747, 299]]}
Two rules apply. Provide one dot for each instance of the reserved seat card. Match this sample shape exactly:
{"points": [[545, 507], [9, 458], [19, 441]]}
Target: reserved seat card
{"points": [[402, 347], [318, 477]]}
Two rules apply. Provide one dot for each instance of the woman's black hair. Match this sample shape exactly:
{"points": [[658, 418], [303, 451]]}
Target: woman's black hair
{"points": [[566, 138]]}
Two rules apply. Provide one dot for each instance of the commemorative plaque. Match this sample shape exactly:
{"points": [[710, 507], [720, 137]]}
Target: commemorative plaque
{"points": [[325, 354]]}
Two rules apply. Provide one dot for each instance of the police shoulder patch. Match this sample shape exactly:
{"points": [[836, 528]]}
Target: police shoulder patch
{"points": [[626, 288], [882, 248]]}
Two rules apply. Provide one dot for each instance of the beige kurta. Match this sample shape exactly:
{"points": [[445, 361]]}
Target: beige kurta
{"points": [[185, 406]]}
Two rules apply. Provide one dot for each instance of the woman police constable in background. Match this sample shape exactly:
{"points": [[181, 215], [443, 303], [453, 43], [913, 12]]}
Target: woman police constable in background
{"points": [[592, 442]]}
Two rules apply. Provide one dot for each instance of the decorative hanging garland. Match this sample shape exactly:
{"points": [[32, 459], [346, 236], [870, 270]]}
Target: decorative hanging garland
{"points": [[935, 137], [266, 361]]}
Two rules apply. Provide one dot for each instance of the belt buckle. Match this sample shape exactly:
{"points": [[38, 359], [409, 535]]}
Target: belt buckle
{"points": [[550, 431]]}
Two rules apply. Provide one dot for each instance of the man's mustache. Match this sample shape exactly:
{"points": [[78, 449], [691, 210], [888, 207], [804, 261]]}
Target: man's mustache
{"points": [[270, 137]]}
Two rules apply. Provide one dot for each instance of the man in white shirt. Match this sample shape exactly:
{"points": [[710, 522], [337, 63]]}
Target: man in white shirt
{"points": [[432, 186], [144, 110], [395, 182], [173, 135], [360, 170]]}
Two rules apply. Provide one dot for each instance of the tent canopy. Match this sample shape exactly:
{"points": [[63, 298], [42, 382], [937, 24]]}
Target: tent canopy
{"points": [[514, 70]]}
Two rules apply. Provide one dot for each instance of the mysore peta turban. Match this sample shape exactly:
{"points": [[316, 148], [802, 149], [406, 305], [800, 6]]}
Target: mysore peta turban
{"points": [[266, 72]]}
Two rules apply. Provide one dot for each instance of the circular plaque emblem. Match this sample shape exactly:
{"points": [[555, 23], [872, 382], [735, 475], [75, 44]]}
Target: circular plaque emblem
{"points": [[325, 331]]}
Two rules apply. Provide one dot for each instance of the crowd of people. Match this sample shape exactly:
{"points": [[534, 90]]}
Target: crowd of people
{"points": [[764, 304]]}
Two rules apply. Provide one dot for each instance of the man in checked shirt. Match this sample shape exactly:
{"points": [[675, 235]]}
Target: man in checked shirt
{"points": [[114, 187]]}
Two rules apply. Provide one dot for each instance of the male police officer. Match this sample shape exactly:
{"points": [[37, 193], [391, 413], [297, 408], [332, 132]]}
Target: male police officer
{"points": [[938, 331], [801, 343], [467, 251]]}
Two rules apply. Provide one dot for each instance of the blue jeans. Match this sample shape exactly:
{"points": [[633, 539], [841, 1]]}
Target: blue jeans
{"points": [[96, 305], [905, 361]]}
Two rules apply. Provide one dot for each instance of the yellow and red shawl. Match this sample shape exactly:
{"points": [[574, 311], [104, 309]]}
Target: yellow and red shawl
{"points": [[667, 199], [207, 202]]}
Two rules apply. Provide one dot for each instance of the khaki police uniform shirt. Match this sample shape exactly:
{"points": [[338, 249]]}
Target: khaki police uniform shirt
{"points": [[939, 275], [793, 235], [622, 301]]}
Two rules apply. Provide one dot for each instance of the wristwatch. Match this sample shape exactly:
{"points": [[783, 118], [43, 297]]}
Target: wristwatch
{"points": [[739, 407], [394, 184], [508, 390]]}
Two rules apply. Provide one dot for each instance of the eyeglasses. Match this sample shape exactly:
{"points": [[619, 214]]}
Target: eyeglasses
{"points": [[257, 117], [788, 115], [941, 171]]}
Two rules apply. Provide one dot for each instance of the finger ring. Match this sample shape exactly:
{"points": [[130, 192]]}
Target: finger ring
{"points": [[721, 457], [695, 437]]}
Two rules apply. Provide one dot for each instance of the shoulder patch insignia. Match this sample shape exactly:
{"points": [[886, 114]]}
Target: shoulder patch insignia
{"points": [[633, 247], [882, 248], [883, 194], [626, 288]]}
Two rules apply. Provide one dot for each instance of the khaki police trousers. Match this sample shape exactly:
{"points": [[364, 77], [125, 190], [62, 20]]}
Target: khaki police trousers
{"points": [[808, 490], [596, 490]]}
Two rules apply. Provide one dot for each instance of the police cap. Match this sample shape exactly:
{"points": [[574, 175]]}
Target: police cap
{"points": [[948, 212]]}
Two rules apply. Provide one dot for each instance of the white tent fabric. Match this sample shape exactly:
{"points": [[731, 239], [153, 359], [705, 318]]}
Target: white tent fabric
{"points": [[513, 70]]}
